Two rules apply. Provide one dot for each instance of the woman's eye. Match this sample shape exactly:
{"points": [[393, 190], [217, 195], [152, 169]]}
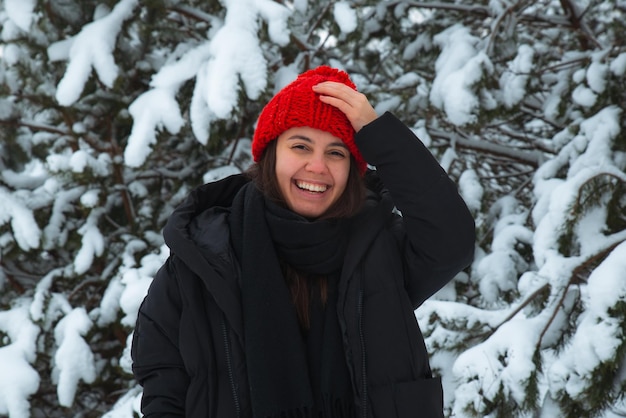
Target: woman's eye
{"points": [[299, 147], [338, 154]]}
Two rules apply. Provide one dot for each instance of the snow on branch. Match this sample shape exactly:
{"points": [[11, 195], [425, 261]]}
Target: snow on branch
{"points": [[531, 157], [25, 229], [92, 243], [501, 365], [18, 379], [21, 12], [231, 58], [345, 17], [53, 233], [73, 360], [127, 405], [93, 49], [459, 67], [275, 15], [37, 308], [150, 111], [136, 281], [572, 372], [513, 82], [229, 64], [586, 156], [498, 271]]}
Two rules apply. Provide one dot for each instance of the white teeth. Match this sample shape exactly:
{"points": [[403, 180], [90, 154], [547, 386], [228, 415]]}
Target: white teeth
{"points": [[319, 188]]}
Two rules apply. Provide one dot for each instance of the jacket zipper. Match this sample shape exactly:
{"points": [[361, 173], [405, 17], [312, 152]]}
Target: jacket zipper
{"points": [[229, 365], [363, 359]]}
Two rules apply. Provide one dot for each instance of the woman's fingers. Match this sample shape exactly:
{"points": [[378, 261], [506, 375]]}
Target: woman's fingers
{"points": [[352, 103]]}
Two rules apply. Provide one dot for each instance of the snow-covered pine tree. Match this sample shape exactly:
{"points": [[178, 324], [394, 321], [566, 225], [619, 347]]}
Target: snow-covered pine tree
{"points": [[111, 111]]}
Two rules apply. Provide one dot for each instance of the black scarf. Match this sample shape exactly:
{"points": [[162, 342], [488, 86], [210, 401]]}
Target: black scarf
{"points": [[279, 361]]}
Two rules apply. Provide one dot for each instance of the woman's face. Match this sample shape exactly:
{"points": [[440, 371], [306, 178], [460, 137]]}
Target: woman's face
{"points": [[312, 168]]}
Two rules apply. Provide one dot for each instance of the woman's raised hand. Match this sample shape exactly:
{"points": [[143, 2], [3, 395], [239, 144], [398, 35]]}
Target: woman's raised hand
{"points": [[352, 103]]}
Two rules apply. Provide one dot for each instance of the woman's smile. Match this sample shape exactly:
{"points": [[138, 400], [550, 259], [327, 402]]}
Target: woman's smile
{"points": [[311, 187]]}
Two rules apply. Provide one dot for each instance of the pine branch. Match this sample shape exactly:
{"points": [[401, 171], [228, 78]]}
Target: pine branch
{"points": [[496, 26], [35, 126], [533, 141], [533, 158], [481, 11], [521, 306], [580, 201], [39, 127], [575, 280], [576, 20], [193, 13], [478, 10], [508, 175]]}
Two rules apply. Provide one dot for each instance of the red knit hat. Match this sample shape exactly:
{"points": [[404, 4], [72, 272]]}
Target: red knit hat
{"points": [[297, 105]]}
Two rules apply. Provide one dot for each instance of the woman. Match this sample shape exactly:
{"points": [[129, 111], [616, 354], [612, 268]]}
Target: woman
{"points": [[290, 289]]}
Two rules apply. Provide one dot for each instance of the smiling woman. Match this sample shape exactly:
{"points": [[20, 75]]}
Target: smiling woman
{"points": [[290, 289]]}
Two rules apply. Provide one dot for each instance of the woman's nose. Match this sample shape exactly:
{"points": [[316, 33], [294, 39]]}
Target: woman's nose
{"points": [[316, 163]]}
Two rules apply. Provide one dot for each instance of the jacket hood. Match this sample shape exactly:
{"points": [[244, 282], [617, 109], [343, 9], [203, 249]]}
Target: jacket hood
{"points": [[209, 260], [178, 229]]}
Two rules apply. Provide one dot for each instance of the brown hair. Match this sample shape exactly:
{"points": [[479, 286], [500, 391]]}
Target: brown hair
{"points": [[349, 203]]}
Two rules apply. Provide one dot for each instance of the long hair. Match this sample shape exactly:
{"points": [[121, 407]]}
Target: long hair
{"points": [[347, 205]]}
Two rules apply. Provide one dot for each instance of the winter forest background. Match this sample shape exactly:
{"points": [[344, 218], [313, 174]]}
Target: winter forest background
{"points": [[112, 110]]}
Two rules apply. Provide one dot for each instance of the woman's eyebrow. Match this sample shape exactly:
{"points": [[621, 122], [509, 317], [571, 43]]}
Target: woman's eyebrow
{"points": [[298, 136]]}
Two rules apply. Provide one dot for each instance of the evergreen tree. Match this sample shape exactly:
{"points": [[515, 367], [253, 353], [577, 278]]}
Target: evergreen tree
{"points": [[111, 111]]}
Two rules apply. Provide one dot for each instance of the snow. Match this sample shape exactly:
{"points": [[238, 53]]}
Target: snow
{"points": [[136, 281], [90, 198], [500, 269], [458, 68], [60, 50], [219, 68], [513, 83], [585, 151], [599, 132], [606, 288], [345, 17], [471, 190], [92, 242], [596, 76], [618, 65], [21, 12], [412, 50], [228, 64], [587, 155], [127, 405], [11, 54], [52, 233], [150, 111], [584, 96], [512, 344], [220, 173], [406, 80], [73, 360], [276, 15], [15, 212], [42, 292], [91, 49], [18, 380]]}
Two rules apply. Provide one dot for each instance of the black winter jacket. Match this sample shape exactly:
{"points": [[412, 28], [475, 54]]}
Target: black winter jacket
{"points": [[188, 344]]}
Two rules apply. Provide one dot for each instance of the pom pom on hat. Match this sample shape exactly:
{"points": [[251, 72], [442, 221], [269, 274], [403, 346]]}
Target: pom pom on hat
{"points": [[297, 105]]}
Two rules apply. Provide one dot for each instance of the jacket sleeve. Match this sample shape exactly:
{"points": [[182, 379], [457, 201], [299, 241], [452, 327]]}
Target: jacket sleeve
{"points": [[157, 364], [437, 232]]}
